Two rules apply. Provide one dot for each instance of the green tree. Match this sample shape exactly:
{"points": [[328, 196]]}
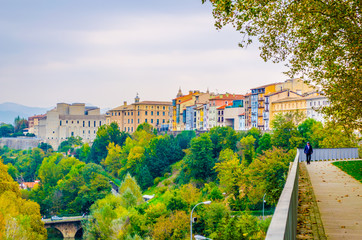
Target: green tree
{"points": [[320, 40], [247, 149], [83, 152], [267, 175], [285, 133], [184, 138], [222, 138], [130, 183], [6, 130], [264, 143], [200, 159], [105, 135], [310, 129]]}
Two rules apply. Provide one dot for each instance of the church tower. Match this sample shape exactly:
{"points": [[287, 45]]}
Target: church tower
{"points": [[179, 94], [137, 99]]}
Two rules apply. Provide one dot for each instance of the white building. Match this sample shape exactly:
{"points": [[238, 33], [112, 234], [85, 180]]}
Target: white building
{"points": [[68, 120], [314, 106]]}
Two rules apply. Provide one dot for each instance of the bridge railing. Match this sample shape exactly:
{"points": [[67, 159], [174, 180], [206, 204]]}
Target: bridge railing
{"points": [[323, 154], [284, 222]]}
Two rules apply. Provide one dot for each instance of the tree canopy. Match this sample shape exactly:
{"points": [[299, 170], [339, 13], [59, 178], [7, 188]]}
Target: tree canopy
{"points": [[320, 40]]}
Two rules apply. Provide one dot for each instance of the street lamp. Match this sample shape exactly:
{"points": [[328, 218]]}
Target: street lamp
{"points": [[263, 204], [206, 203]]}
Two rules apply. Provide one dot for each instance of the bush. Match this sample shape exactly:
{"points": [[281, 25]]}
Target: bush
{"points": [[167, 182], [157, 180]]}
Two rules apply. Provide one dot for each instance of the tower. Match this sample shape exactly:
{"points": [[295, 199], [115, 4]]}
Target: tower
{"points": [[179, 94], [137, 99]]}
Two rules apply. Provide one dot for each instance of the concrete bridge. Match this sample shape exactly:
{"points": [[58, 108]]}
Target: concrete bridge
{"points": [[68, 226]]}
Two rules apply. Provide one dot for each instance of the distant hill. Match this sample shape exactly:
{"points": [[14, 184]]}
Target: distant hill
{"points": [[9, 111]]}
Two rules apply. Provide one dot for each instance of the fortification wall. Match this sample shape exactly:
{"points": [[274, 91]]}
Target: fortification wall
{"points": [[20, 143]]}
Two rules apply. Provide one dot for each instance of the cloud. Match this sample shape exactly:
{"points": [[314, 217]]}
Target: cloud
{"points": [[105, 57]]}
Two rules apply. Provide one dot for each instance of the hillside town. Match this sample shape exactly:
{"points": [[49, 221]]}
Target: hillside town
{"points": [[192, 110]]}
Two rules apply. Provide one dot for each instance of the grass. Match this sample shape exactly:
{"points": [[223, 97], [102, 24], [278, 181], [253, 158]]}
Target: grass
{"points": [[353, 168]]}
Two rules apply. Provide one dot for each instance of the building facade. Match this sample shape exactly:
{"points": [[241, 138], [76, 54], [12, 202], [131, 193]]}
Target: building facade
{"points": [[128, 117], [314, 106], [70, 120]]}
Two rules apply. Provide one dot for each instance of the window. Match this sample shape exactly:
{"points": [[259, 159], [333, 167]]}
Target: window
{"points": [[131, 113], [164, 113], [83, 131], [100, 123], [77, 122], [83, 123], [158, 121], [146, 120], [60, 123], [128, 129], [163, 121], [163, 108], [132, 129], [66, 122], [146, 113], [151, 113], [158, 113], [128, 120], [151, 120], [138, 113], [131, 120], [88, 123], [125, 129], [138, 120], [94, 123]]}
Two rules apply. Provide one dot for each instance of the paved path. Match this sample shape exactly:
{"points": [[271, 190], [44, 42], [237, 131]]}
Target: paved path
{"points": [[339, 198]]}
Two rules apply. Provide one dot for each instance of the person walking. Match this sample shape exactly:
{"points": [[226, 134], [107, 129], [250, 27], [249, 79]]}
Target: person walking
{"points": [[308, 150]]}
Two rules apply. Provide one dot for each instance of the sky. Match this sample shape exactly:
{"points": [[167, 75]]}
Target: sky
{"points": [[104, 52]]}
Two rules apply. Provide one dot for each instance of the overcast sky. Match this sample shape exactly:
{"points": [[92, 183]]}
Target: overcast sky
{"points": [[103, 52]]}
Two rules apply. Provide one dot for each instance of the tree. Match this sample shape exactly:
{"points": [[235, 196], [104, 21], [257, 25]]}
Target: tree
{"points": [[20, 125], [264, 143], [200, 159], [267, 174], [19, 218], [222, 138], [229, 172], [319, 39], [247, 149], [256, 133], [45, 147], [130, 183], [6, 130], [112, 163], [184, 138], [310, 129], [285, 133], [105, 135]]}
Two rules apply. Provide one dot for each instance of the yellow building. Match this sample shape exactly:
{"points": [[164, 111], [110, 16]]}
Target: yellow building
{"points": [[128, 117], [296, 85], [289, 105]]}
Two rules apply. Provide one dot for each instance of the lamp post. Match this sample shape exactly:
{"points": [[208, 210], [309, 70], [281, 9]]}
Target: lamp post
{"points": [[207, 202], [263, 204]]}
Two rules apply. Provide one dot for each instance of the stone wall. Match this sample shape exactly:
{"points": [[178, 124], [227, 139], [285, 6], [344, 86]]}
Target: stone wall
{"points": [[20, 143]]}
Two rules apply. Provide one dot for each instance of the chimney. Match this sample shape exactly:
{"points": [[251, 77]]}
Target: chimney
{"points": [[125, 103]]}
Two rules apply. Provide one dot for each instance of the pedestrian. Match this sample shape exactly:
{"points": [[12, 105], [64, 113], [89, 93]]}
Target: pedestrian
{"points": [[308, 150]]}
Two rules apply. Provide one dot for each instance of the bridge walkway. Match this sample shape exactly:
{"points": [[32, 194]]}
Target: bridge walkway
{"points": [[339, 199]]}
